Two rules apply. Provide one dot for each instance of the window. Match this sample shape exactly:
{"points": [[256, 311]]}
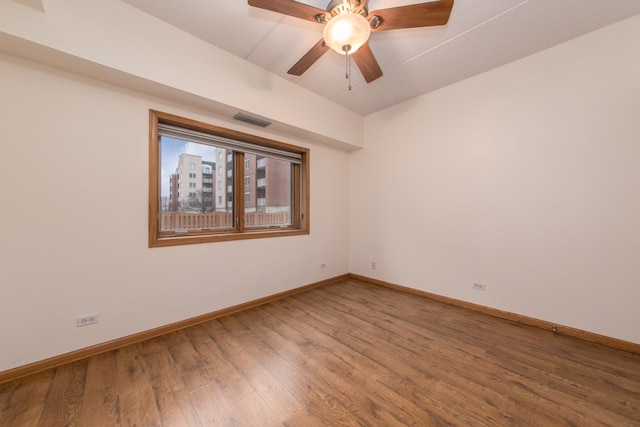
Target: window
{"points": [[279, 208]]}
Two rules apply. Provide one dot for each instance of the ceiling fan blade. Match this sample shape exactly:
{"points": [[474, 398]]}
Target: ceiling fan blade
{"points": [[367, 63], [309, 58], [291, 8], [412, 16]]}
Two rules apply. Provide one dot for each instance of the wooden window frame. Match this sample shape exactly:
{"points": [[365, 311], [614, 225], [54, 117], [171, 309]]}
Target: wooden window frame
{"points": [[300, 187]]}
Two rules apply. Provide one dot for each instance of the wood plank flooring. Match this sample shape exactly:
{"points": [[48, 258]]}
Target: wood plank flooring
{"points": [[350, 354]]}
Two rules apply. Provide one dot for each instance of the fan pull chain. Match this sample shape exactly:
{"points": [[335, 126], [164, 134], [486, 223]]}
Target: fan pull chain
{"points": [[346, 49], [349, 69]]}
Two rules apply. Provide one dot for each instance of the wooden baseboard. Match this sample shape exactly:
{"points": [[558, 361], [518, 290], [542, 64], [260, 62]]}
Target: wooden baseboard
{"points": [[32, 368], [543, 324]]}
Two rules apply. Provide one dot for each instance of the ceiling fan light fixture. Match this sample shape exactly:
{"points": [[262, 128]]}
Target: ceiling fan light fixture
{"points": [[347, 32]]}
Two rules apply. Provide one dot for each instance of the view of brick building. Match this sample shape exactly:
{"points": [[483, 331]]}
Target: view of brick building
{"points": [[203, 186], [267, 184]]}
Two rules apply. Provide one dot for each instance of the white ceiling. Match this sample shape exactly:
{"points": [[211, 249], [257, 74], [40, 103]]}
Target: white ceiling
{"points": [[480, 35]]}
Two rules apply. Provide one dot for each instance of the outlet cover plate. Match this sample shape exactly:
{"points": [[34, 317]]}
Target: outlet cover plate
{"points": [[87, 320]]}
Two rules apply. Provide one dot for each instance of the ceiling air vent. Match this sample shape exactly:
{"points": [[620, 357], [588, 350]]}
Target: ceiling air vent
{"points": [[252, 120]]}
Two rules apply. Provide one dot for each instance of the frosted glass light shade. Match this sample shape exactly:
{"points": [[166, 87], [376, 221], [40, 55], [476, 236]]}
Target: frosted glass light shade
{"points": [[347, 29]]}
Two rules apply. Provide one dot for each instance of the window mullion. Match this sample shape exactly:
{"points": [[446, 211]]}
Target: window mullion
{"points": [[238, 190]]}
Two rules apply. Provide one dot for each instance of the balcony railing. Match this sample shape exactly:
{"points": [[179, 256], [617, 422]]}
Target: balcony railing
{"points": [[197, 221]]}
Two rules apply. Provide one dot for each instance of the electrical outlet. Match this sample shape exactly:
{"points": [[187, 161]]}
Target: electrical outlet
{"points": [[323, 265], [479, 287], [87, 320], [374, 265]]}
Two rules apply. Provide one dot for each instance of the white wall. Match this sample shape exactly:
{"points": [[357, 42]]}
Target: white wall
{"points": [[73, 223], [525, 179]]}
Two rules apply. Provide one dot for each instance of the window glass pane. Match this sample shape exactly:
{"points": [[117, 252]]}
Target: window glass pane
{"points": [[192, 201], [269, 203]]}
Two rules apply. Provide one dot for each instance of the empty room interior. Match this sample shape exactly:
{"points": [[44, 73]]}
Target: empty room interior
{"points": [[214, 216]]}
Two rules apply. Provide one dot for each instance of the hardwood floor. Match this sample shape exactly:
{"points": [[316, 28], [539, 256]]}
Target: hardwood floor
{"points": [[349, 353]]}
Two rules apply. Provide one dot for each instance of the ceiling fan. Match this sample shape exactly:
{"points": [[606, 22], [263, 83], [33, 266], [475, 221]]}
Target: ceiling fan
{"points": [[348, 25]]}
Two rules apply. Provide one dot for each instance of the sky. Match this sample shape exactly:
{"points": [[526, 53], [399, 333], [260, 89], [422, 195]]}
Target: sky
{"points": [[170, 150]]}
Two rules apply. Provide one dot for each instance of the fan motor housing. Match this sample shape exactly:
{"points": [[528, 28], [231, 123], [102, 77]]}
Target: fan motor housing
{"points": [[338, 7]]}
